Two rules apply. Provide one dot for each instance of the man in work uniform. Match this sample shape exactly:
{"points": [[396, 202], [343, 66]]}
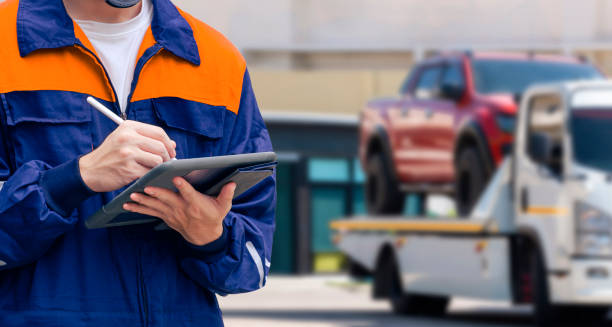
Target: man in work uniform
{"points": [[185, 92]]}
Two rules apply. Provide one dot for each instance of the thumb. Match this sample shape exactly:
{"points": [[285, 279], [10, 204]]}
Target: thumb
{"points": [[227, 195]]}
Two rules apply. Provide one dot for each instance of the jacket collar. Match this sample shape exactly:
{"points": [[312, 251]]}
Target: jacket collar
{"points": [[45, 24]]}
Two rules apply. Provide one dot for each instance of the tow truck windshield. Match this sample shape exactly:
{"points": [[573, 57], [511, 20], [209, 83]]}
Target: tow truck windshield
{"points": [[592, 137], [515, 76], [591, 128]]}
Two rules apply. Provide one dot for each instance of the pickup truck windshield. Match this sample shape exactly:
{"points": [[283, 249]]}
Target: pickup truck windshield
{"points": [[515, 76], [591, 131]]}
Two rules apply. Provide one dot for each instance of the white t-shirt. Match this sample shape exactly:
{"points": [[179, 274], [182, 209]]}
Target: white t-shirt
{"points": [[117, 47]]}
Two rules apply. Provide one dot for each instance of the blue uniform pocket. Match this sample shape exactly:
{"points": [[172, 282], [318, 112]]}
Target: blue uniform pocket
{"points": [[52, 126], [195, 127]]}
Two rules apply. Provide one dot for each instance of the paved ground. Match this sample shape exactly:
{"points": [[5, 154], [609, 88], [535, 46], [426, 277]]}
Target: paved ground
{"points": [[335, 301]]}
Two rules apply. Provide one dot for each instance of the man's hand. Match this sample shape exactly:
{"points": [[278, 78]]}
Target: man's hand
{"points": [[197, 217], [126, 154]]}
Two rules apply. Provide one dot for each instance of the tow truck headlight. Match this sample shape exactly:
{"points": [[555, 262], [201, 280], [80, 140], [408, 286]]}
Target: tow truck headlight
{"points": [[506, 123], [593, 231]]}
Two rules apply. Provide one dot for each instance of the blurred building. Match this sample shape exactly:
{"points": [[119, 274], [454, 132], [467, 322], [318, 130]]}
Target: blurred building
{"points": [[333, 55], [314, 64]]}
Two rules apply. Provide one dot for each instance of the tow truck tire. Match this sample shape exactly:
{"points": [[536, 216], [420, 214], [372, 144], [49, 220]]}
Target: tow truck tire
{"points": [[382, 190], [547, 314], [403, 303], [471, 179], [356, 270]]}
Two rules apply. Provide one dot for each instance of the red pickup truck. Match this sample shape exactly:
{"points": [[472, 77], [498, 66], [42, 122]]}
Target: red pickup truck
{"points": [[451, 125]]}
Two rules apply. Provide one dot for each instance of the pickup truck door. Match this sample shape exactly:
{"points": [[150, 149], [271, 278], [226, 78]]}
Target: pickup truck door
{"points": [[438, 131], [410, 128]]}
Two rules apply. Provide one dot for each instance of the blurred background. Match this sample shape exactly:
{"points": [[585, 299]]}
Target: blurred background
{"points": [[315, 64]]}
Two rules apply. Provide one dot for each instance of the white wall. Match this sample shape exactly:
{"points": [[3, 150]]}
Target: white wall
{"points": [[407, 24]]}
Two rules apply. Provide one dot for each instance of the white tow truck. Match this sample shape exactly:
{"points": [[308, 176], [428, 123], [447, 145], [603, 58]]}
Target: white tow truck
{"points": [[541, 233]]}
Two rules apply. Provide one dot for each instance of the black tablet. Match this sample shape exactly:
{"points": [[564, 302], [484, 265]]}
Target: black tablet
{"points": [[208, 175]]}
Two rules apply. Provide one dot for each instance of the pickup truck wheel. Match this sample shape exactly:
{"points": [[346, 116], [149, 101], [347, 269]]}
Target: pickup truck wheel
{"points": [[548, 314], [405, 303], [382, 191], [471, 179]]}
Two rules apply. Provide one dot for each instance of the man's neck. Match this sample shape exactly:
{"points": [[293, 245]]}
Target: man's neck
{"points": [[100, 11]]}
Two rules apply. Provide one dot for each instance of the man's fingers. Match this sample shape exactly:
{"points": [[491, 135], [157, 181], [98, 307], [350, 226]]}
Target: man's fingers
{"points": [[227, 195], [166, 196], [155, 132], [187, 191], [134, 207], [153, 146], [153, 203], [138, 170], [147, 159]]}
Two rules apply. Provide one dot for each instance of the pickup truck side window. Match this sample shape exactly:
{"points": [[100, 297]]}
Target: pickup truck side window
{"points": [[453, 75], [428, 85]]}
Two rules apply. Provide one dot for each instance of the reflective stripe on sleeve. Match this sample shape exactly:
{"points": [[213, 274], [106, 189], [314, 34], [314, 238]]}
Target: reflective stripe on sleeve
{"points": [[257, 259]]}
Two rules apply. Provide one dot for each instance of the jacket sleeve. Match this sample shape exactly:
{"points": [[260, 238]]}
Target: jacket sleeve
{"points": [[30, 220], [239, 260]]}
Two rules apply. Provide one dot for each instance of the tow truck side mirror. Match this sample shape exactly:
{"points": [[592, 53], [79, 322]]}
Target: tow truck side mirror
{"points": [[543, 150], [452, 92]]}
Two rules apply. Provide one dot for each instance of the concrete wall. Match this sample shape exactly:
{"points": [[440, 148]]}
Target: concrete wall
{"points": [[402, 24], [333, 55], [329, 91]]}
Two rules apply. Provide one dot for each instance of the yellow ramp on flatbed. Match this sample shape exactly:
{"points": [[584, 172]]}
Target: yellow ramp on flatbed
{"points": [[412, 225]]}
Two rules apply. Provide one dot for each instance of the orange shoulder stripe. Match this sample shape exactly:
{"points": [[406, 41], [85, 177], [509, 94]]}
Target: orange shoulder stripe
{"points": [[65, 69], [217, 81]]}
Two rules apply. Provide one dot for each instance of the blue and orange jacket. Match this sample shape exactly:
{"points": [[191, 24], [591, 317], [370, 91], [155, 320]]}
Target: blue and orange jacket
{"points": [[53, 271]]}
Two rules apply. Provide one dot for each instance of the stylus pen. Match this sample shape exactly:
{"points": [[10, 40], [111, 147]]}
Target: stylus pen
{"points": [[106, 112]]}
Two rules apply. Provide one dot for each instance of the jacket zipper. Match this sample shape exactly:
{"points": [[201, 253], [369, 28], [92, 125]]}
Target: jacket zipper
{"points": [[149, 53], [106, 75]]}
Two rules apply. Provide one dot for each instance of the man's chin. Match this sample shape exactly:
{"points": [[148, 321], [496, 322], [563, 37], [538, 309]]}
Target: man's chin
{"points": [[122, 3]]}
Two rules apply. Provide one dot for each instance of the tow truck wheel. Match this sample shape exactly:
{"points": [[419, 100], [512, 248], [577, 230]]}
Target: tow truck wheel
{"points": [[382, 191], [387, 275], [471, 179], [356, 270], [547, 314]]}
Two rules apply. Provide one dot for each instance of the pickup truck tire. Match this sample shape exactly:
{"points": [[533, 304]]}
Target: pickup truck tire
{"points": [[548, 314], [382, 190], [403, 303], [471, 179]]}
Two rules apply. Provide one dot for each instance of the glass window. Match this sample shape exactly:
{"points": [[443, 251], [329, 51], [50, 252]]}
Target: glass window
{"points": [[359, 206], [328, 170], [515, 76], [453, 75], [358, 173], [328, 203], [427, 85], [283, 250], [545, 131], [591, 133]]}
